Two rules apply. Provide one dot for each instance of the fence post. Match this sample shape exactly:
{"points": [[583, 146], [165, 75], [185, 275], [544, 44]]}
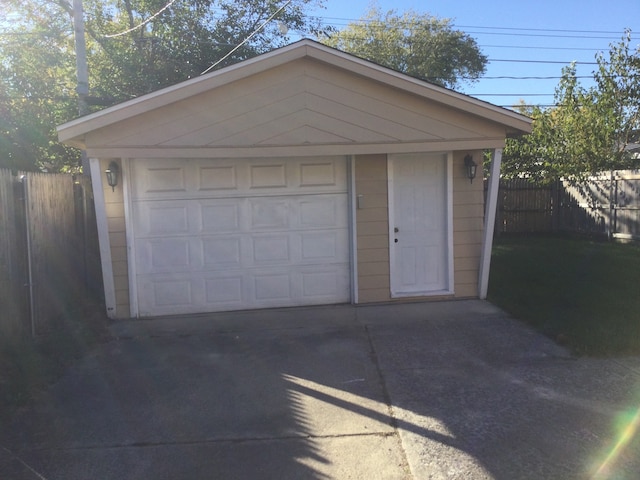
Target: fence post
{"points": [[610, 225], [32, 313], [554, 206]]}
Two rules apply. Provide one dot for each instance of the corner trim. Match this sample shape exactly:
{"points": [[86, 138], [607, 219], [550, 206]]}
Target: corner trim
{"points": [[103, 238], [489, 224]]}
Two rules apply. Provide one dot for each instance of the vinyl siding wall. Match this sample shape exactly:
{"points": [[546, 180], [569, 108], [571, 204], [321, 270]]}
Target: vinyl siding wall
{"points": [[373, 228], [114, 207], [468, 222]]}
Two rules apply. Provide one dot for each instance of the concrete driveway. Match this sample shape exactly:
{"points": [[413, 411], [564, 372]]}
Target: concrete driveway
{"points": [[423, 390]]}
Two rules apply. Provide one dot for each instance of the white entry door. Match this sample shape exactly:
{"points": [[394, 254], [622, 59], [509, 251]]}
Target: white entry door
{"points": [[419, 225]]}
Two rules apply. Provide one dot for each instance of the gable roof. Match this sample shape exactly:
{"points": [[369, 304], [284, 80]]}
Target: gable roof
{"points": [[74, 132]]}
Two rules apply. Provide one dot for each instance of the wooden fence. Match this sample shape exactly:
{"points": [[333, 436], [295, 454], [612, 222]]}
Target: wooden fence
{"points": [[607, 205], [49, 252]]}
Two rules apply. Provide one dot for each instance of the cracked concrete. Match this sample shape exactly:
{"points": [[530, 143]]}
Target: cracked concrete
{"points": [[424, 390]]}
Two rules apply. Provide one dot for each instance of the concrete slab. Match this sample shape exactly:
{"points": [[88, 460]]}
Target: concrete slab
{"points": [[424, 390]]}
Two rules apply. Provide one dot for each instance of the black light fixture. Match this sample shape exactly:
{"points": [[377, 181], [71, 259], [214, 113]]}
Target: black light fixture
{"points": [[112, 175], [471, 166]]}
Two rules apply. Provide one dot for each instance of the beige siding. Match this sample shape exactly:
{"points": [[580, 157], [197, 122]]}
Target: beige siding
{"points": [[114, 207], [468, 221], [372, 226], [304, 103]]}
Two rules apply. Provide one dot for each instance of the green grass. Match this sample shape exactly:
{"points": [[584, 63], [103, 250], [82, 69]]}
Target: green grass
{"points": [[580, 292]]}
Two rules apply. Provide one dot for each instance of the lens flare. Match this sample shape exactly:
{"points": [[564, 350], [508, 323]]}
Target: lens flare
{"points": [[629, 427]]}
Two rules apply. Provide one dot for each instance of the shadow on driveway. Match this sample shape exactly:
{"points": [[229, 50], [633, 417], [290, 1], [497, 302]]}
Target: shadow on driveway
{"points": [[436, 390]]}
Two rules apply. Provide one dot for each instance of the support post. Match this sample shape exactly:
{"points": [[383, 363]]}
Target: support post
{"points": [[103, 239], [489, 223]]}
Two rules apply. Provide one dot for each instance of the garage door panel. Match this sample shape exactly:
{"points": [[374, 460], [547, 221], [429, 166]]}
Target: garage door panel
{"points": [[272, 287], [162, 218], [213, 178], [167, 292], [169, 254], [322, 211], [162, 179], [222, 252], [270, 250], [245, 234], [219, 216], [324, 284], [225, 291], [272, 175], [321, 246], [269, 214], [318, 174], [167, 219], [161, 255]]}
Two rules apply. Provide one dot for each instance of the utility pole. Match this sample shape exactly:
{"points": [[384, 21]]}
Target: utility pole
{"points": [[82, 71], [81, 58]]}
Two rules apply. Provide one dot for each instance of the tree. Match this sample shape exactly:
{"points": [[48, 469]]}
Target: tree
{"points": [[133, 47], [417, 44], [589, 129]]}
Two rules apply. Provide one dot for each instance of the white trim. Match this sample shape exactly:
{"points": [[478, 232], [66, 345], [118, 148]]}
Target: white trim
{"points": [[450, 222], [103, 238], [351, 186], [489, 223], [131, 243], [264, 151], [391, 218]]}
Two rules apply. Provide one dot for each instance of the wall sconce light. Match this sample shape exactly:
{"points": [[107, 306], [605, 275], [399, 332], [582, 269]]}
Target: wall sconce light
{"points": [[471, 166], [112, 175]]}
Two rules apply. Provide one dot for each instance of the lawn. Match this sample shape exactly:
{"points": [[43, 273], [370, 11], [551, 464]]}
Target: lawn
{"points": [[580, 292]]}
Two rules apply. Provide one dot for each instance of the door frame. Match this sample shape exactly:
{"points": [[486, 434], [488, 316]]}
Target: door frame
{"points": [[449, 289]]}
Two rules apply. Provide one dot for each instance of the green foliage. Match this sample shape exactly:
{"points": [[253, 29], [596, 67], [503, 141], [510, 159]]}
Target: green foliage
{"points": [[38, 72], [589, 129], [417, 44], [35, 81]]}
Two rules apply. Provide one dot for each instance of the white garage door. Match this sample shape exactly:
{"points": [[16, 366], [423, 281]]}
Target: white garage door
{"points": [[215, 235]]}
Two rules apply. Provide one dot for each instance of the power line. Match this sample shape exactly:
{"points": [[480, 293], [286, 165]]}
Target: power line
{"points": [[140, 25], [539, 61], [561, 30], [248, 38], [542, 48], [512, 94], [544, 35]]}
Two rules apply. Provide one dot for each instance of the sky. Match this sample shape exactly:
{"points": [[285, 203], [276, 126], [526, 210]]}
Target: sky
{"points": [[528, 32]]}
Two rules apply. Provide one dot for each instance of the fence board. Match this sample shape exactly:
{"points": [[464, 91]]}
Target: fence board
{"points": [[51, 225], [607, 204], [54, 216], [12, 294]]}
